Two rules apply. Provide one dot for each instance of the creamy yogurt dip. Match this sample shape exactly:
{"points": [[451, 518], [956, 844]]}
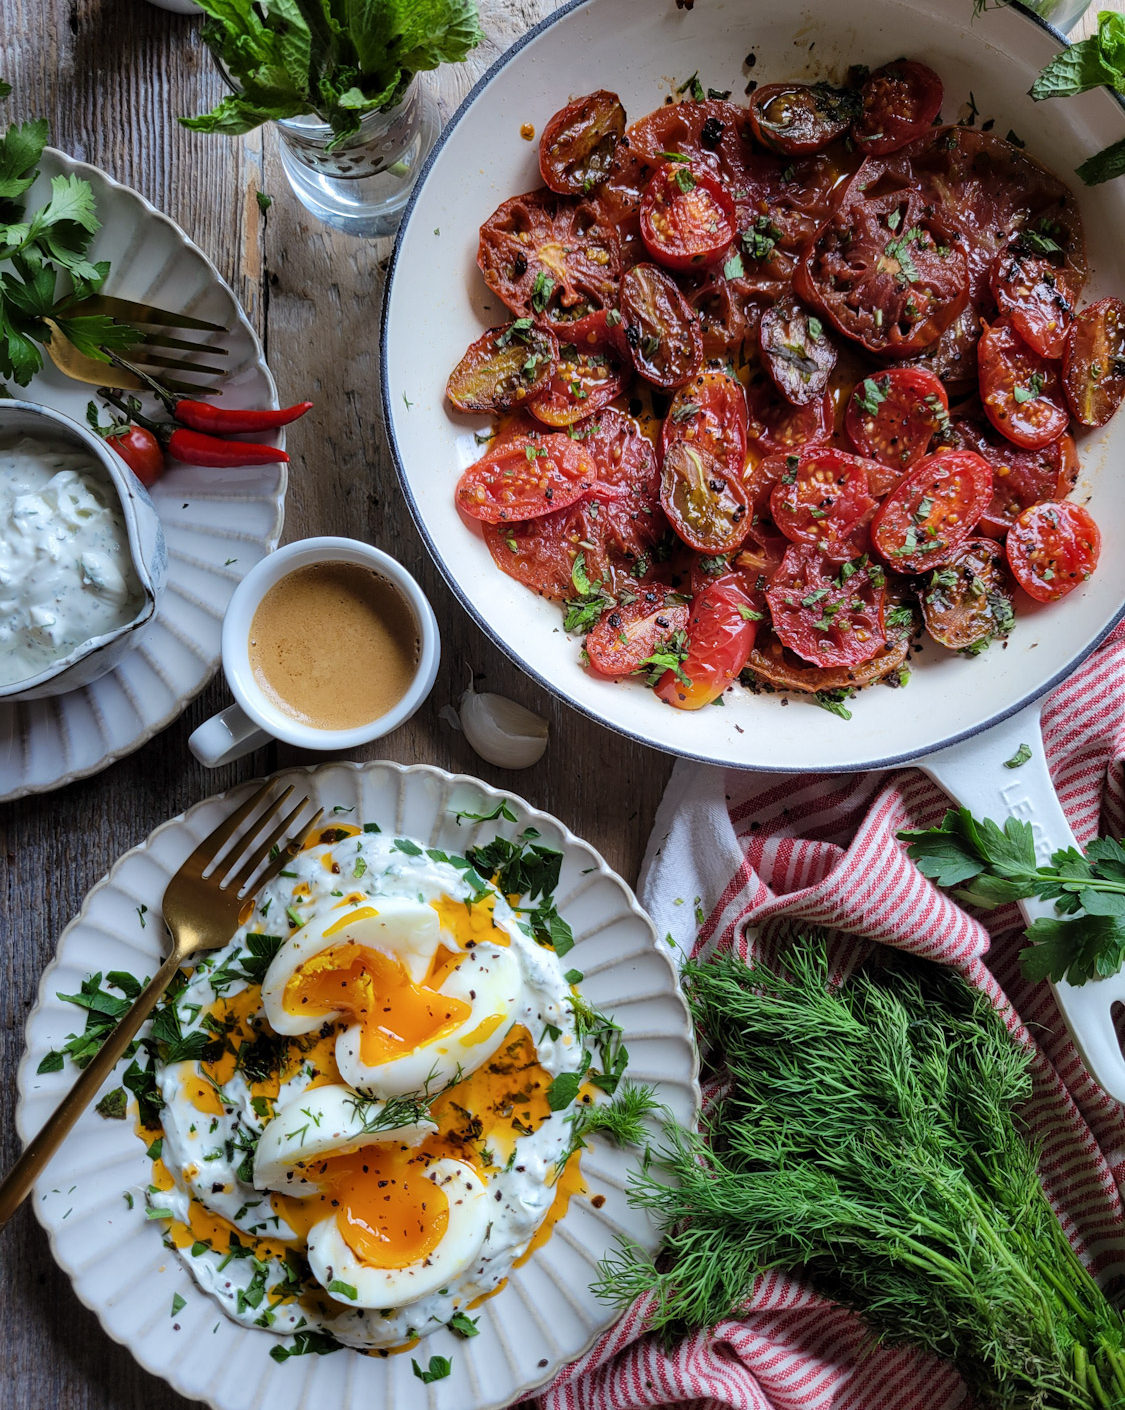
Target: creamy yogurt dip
{"points": [[66, 572]]}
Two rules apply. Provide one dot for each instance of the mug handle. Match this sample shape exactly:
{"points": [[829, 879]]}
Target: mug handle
{"points": [[226, 737]]}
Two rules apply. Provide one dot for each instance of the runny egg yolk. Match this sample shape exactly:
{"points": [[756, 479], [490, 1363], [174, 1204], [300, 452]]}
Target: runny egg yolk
{"points": [[388, 1213], [374, 990]]}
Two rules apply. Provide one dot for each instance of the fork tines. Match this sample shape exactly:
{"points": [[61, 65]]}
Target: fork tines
{"points": [[222, 849]]}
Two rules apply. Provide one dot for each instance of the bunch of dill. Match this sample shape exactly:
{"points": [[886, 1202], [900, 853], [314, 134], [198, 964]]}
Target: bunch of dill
{"points": [[871, 1143]]}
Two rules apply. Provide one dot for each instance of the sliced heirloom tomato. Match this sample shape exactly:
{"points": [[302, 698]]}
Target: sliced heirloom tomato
{"points": [[796, 351], [1094, 364], [524, 478], [1020, 478], [893, 416], [899, 103], [710, 411], [966, 602], [828, 613], [776, 426], [721, 630], [504, 367], [822, 498], [577, 146], [799, 118], [885, 271], [549, 257], [625, 637], [1052, 549], [707, 508], [687, 218], [589, 373], [932, 511], [1038, 299], [622, 454], [661, 330], [1020, 391]]}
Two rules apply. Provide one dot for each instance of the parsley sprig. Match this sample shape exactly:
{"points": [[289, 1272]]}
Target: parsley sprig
{"points": [[986, 865]]}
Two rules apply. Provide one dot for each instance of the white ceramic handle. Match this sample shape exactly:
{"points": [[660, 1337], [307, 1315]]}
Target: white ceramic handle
{"points": [[226, 737], [973, 773]]}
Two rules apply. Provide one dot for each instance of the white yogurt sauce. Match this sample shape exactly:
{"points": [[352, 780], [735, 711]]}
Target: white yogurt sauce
{"points": [[66, 573]]}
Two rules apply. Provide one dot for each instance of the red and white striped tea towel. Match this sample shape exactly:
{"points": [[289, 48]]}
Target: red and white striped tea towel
{"points": [[784, 853]]}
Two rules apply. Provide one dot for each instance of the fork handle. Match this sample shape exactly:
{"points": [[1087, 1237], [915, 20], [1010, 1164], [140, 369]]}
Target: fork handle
{"points": [[42, 1147]]}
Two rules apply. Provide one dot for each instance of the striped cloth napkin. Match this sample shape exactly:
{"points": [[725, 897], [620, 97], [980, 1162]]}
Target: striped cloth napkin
{"points": [[780, 854]]}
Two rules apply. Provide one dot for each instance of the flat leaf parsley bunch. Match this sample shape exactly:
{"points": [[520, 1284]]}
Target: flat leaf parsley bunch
{"points": [[340, 59]]}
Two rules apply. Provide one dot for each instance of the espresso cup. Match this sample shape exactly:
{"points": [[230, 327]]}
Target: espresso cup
{"points": [[256, 717]]}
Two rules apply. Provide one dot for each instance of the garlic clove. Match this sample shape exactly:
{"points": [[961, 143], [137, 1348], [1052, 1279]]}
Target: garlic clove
{"points": [[502, 731]]}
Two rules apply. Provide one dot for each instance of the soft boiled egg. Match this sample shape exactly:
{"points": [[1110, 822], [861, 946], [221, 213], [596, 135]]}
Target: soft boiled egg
{"points": [[423, 1008], [386, 1223]]}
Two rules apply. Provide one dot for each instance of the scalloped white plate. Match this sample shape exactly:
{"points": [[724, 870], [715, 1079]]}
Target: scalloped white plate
{"points": [[544, 1316], [218, 523]]}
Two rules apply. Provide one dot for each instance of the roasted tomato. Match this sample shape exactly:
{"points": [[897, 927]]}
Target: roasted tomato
{"points": [[504, 367], [622, 454], [720, 634], [1094, 365], [577, 146], [899, 103], [687, 218], [1038, 299], [932, 511], [822, 498], [1020, 478], [588, 374], [799, 118], [1052, 549], [777, 426], [828, 613], [623, 640], [710, 411], [773, 663], [540, 553], [713, 135], [797, 353], [141, 452], [705, 506], [1020, 391], [549, 257], [966, 602], [893, 416], [886, 272], [523, 478], [660, 329]]}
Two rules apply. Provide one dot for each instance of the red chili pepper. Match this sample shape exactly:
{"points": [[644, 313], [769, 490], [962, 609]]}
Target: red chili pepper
{"points": [[222, 420], [196, 448]]}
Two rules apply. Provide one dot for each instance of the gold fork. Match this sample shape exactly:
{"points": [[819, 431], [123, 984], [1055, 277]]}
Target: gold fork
{"points": [[152, 352], [202, 906]]}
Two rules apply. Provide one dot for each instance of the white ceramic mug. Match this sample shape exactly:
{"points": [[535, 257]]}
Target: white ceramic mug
{"points": [[254, 719]]}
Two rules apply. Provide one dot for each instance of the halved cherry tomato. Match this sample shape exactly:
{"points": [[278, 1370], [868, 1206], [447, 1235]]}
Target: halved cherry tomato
{"points": [[622, 454], [967, 600], [900, 102], [660, 329], [624, 637], [1094, 364], [885, 271], [932, 511], [796, 351], [828, 613], [822, 498], [588, 375], [893, 416], [710, 411], [775, 425], [1052, 549], [1038, 299], [1020, 478], [521, 479], [798, 118], [504, 367], [687, 218], [721, 630], [707, 508], [577, 146], [1020, 391], [141, 452], [548, 257]]}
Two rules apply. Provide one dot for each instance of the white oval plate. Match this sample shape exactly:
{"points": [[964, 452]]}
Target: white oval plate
{"points": [[544, 1316], [218, 523], [437, 303]]}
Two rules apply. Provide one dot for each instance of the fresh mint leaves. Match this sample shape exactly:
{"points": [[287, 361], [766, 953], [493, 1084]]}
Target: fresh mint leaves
{"points": [[1091, 63]]}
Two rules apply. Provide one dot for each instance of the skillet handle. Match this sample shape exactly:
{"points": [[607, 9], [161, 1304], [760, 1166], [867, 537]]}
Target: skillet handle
{"points": [[973, 773]]}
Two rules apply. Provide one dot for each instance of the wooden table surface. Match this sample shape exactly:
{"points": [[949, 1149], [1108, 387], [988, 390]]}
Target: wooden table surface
{"points": [[111, 76]]}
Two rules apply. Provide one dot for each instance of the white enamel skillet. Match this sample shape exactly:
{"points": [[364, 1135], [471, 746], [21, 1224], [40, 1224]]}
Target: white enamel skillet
{"points": [[959, 720]]}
